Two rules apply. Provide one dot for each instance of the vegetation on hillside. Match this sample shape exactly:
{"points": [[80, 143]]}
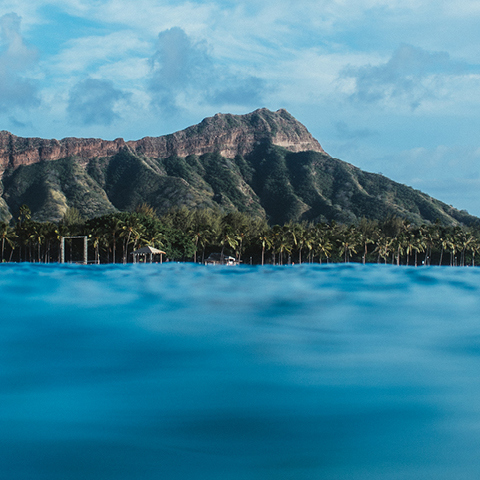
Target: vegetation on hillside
{"points": [[271, 182]]}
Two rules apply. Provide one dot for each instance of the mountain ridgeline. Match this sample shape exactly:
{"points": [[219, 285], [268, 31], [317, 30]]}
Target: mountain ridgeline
{"points": [[264, 163]]}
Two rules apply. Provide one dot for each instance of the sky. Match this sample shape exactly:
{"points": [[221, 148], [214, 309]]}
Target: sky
{"points": [[391, 86]]}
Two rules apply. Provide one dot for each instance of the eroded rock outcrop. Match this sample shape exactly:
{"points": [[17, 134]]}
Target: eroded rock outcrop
{"points": [[224, 133]]}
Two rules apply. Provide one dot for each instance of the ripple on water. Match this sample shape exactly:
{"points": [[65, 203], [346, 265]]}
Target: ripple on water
{"points": [[188, 372]]}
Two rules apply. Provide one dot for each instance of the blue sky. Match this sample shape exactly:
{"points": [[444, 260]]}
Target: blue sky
{"points": [[390, 86]]}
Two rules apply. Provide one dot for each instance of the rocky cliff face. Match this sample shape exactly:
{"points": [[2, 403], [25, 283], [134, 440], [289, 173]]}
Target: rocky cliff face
{"points": [[227, 134]]}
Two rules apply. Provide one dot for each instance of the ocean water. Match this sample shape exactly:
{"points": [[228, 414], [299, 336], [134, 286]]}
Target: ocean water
{"points": [[179, 371]]}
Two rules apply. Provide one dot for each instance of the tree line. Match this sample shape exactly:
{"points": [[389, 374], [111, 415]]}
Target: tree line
{"points": [[191, 235]]}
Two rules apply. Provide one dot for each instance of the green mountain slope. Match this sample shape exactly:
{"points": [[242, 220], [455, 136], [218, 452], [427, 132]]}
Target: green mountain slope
{"points": [[270, 181]]}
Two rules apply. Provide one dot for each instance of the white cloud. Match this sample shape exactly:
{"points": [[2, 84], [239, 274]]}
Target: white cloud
{"points": [[183, 72], [465, 8], [411, 76], [17, 89], [93, 102], [88, 53], [147, 16]]}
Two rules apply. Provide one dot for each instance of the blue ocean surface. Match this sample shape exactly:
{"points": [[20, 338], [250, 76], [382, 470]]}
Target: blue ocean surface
{"points": [[181, 371]]}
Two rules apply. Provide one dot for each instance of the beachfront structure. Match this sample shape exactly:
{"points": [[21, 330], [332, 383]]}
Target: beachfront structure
{"points": [[220, 259], [85, 248], [147, 252]]}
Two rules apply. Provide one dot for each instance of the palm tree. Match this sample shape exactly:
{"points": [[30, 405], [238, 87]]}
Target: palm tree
{"points": [[348, 242], [132, 229], [228, 238], [383, 247], [7, 234], [309, 242], [366, 231], [413, 242], [443, 241], [322, 241], [430, 235], [38, 236], [24, 213], [464, 240], [155, 239], [239, 224], [301, 237], [99, 238], [453, 241], [474, 247], [284, 241], [200, 229], [419, 244], [21, 228], [199, 234], [50, 234], [114, 226], [266, 242]]}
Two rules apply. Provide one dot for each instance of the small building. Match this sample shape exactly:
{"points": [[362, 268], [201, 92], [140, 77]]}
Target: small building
{"points": [[147, 252], [220, 259]]}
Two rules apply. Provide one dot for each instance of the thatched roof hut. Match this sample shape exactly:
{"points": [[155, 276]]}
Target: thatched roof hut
{"points": [[147, 251]]}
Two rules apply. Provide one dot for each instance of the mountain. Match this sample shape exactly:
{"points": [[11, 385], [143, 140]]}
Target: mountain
{"points": [[263, 163]]}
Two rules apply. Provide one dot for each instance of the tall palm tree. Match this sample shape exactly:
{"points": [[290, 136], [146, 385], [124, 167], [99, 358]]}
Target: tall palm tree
{"points": [[132, 230], [239, 225], [301, 237], [419, 244], [453, 242], [266, 242], [228, 238], [114, 226], [411, 244], [366, 231], [309, 241], [465, 238], [99, 238], [349, 241], [284, 241], [430, 235], [322, 241], [198, 233], [443, 241], [8, 235], [474, 247], [383, 247], [38, 237]]}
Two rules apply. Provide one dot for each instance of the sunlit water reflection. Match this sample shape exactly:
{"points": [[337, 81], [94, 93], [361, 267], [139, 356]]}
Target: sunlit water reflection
{"points": [[179, 371]]}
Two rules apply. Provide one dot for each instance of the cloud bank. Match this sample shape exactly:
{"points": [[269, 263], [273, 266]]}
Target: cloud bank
{"points": [[412, 75], [183, 71], [92, 102]]}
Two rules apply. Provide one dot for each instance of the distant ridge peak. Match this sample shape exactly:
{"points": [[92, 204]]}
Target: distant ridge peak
{"points": [[226, 134]]}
